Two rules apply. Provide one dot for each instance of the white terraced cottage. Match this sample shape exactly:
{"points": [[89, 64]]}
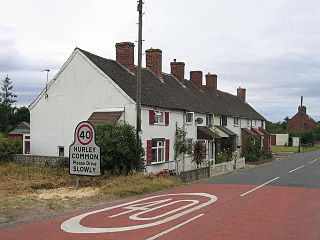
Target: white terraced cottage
{"points": [[89, 87]]}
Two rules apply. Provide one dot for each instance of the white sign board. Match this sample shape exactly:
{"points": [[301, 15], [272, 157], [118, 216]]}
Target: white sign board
{"points": [[84, 153]]}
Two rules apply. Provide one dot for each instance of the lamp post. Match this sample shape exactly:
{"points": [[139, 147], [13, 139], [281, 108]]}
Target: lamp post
{"points": [[300, 123], [46, 70]]}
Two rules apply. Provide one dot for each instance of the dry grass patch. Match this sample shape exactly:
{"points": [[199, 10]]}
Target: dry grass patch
{"points": [[41, 189]]}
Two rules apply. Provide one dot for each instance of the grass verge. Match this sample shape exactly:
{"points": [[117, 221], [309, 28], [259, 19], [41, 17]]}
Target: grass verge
{"points": [[295, 149], [39, 189]]}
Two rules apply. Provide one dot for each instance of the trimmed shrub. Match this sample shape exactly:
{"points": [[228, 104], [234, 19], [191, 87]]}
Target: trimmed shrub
{"points": [[8, 147], [221, 158], [250, 157], [119, 153], [268, 155]]}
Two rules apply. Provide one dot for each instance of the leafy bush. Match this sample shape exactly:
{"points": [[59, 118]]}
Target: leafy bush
{"points": [[8, 147], [267, 155], [119, 153], [221, 158], [307, 136], [199, 153], [250, 157]]}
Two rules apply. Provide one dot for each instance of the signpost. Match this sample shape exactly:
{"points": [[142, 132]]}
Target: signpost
{"points": [[84, 153]]}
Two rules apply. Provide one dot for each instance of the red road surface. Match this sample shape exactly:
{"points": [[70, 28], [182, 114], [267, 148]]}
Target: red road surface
{"points": [[267, 213]]}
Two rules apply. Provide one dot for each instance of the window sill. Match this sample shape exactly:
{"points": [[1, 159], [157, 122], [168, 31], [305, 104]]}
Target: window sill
{"points": [[189, 123], [159, 124], [235, 125]]}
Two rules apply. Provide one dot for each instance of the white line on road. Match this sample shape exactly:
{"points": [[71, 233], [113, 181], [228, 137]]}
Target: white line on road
{"points": [[296, 169], [175, 227], [243, 194], [313, 161]]}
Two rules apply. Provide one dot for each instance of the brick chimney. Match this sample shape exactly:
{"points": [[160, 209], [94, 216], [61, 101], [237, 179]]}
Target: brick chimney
{"points": [[125, 54], [302, 109], [211, 82], [177, 70], [196, 78], [154, 60], [241, 93]]}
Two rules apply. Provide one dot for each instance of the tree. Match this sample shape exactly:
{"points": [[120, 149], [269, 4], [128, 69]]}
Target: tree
{"points": [[118, 145], [7, 97]]}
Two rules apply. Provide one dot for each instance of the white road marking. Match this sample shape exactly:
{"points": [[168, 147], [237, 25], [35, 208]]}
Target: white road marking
{"points": [[243, 194], [73, 224], [313, 161], [296, 169], [175, 227]]}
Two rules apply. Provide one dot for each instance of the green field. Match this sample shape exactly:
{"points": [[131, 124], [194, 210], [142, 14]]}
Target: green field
{"points": [[295, 149]]}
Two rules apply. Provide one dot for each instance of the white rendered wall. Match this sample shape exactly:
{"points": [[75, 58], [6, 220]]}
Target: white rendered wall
{"points": [[282, 139], [73, 96]]}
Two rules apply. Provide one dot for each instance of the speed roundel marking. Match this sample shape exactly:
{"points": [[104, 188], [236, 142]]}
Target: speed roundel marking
{"points": [[85, 134], [134, 215]]}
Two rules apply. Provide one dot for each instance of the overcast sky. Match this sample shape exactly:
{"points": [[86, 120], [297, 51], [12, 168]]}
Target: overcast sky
{"points": [[271, 48]]}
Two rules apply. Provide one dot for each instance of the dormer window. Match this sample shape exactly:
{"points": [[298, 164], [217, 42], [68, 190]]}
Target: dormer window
{"points": [[158, 117]]}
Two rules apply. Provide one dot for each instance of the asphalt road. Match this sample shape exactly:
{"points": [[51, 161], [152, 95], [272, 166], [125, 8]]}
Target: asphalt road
{"points": [[278, 200], [302, 170]]}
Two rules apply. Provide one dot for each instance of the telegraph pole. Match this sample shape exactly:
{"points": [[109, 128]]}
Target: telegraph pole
{"points": [[138, 97], [300, 123]]}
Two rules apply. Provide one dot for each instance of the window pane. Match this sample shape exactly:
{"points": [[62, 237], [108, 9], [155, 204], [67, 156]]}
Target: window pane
{"points": [[154, 155]]}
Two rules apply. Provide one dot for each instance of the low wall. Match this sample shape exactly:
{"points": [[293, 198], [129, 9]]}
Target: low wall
{"points": [[194, 175], [214, 170], [36, 159], [241, 162]]}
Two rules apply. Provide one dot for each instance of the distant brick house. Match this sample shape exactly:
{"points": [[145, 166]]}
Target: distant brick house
{"points": [[301, 121]]}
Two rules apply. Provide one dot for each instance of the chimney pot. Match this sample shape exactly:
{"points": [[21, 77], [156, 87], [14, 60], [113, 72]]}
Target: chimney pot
{"points": [[177, 70], [154, 60], [211, 82], [125, 54], [196, 78], [241, 93]]}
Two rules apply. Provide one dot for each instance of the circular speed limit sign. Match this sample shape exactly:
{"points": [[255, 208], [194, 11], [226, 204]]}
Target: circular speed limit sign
{"points": [[84, 134]]}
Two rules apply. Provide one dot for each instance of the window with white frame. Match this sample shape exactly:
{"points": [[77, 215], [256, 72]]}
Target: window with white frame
{"points": [[223, 121], [236, 121], [211, 150], [158, 117], [189, 117], [253, 122], [26, 144], [157, 150], [248, 122], [209, 120]]}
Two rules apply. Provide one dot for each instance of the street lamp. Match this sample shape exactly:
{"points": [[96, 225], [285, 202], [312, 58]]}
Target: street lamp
{"points": [[46, 94]]}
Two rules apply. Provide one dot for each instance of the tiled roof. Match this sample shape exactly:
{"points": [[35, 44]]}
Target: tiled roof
{"points": [[20, 129], [248, 131], [104, 117], [226, 130], [167, 92], [257, 131], [206, 133]]}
